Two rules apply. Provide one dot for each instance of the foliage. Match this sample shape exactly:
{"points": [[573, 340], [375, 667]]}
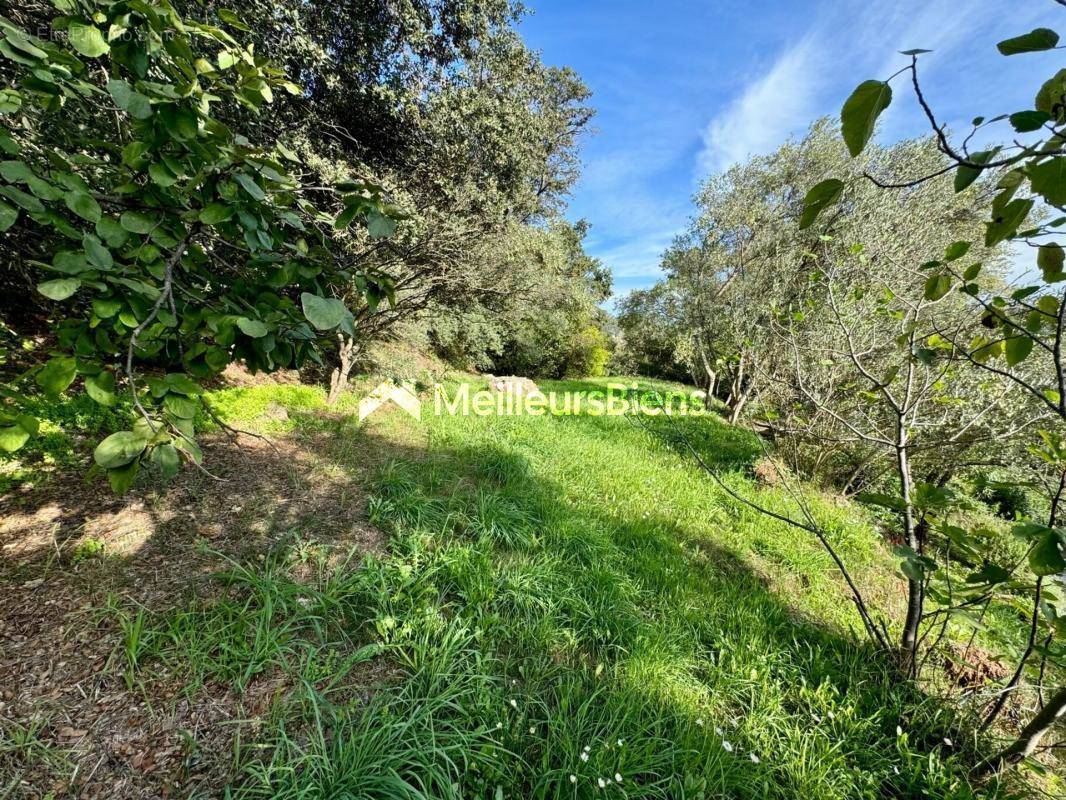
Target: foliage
{"points": [[633, 603], [1020, 331], [167, 242]]}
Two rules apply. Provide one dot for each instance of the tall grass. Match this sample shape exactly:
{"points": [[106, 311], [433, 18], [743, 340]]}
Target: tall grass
{"points": [[570, 609]]}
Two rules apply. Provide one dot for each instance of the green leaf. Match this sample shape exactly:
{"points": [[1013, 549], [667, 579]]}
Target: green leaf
{"points": [[118, 449], [55, 376], [214, 213], [8, 216], [819, 197], [324, 313], [1049, 98], [87, 39], [1032, 42], [1050, 258], [252, 327], [161, 175], [97, 253], [181, 406], [1007, 221], [956, 250], [60, 288], [1028, 121], [1049, 180], [14, 435], [16, 171], [1016, 349], [166, 459], [250, 186], [966, 175], [380, 226], [101, 388], [1046, 556], [121, 478], [937, 285], [182, 384], [83, 205], [138, 222], [860, 112]]}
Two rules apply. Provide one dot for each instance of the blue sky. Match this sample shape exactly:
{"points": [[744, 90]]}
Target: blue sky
{"points": [[684, 89]]}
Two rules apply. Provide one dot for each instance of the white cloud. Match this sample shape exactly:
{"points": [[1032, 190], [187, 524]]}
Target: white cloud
{"points": [[769, 109]]}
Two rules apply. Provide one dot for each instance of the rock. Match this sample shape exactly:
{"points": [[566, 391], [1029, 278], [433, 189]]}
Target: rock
{"points": [[513, 384]]}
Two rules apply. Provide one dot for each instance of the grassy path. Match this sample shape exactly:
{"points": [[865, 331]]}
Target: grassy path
{"points": [[578, 612], [566, 608]]}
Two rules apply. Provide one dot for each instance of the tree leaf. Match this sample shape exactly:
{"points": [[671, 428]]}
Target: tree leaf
{"points": [[1007, 221], [182, 384], [1048, 179], [166, 459], [860, 112], [121, 478], [118, 449], [1028, 121], [1032, 42], [966, 175], [1016, 349], [138, 222], [322, 312], [60, 288], [1046, 556], [956, 250], [87, 39], [83, 204], [252, 327], [1049, 98], [819, 197], [101, 387], [1050, 258], [8, 216], [97, 253], [214, 213], [937, 285], [380, 226], [55, 376]]}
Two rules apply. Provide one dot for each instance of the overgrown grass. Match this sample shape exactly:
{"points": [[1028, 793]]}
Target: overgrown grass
{"points": [[568, 602]]}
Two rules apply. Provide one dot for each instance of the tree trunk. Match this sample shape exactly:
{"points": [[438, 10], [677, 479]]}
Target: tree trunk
{"points": [[909, 641], [1029, 739], [338, 381]]}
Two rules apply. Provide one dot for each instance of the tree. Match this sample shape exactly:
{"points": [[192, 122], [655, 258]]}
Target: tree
{"points": [[156, 240], [1023, 329]]}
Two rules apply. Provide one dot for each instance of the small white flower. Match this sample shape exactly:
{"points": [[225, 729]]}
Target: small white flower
{"points": [[514, 681], [499, 725], [754, 758], [532, 729], [899, 730], [947, 741], [514, 703], [619, 742], [601, 783], [718, 731], [699, 722], [830, 715], [895, 770], [727, 746], [618, 777], [584, 756], [586, 748], [573, 779], [816, 718]]}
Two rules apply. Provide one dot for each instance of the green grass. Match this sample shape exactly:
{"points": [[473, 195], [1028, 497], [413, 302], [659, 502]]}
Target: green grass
{"points": [[568, 599], [565, 599]]}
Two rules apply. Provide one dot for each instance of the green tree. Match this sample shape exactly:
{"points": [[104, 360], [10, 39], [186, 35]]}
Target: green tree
{"points": [[156, 239]]}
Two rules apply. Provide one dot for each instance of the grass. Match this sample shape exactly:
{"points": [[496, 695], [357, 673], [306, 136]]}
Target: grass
{"points": [[569, 608]]}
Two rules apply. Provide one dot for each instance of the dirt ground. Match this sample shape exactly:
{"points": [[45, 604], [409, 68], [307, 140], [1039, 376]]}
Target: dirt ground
{"points": [[71, 727]]}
